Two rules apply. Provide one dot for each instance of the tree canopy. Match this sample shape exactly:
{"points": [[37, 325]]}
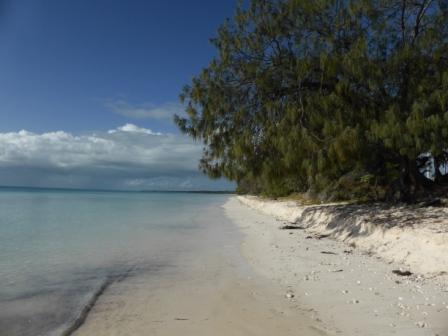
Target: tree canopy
{"points": [[341, 98]]}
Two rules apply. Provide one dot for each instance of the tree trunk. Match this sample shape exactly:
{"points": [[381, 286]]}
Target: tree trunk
{"points": [[414, 185], [438, 177]]}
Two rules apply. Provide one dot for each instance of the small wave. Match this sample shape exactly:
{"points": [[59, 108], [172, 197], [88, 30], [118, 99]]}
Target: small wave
{"points": [[81, 317]]}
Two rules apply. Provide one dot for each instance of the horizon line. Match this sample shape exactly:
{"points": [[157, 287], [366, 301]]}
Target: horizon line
{"points": [[121, 190]]}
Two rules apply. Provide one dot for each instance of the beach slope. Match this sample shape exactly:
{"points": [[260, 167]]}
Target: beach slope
{"points": [[357, 282]]}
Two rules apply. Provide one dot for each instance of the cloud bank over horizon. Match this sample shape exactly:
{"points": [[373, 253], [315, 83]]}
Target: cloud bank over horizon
{"points": [[127, 157]]}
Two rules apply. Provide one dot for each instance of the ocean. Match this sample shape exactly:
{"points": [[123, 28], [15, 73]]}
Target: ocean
{"points": [[60, 249]]}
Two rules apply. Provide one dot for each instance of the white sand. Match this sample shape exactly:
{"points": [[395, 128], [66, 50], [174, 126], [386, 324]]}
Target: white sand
{"points": [[415, 237], [353, 290]]}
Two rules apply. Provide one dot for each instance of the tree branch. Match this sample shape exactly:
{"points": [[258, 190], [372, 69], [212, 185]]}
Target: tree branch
{"points": [[421, 13]]}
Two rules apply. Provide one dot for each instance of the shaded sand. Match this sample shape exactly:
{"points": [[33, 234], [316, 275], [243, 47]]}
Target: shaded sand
{"points": [[352, 289], [208, 290], [411, 235]]}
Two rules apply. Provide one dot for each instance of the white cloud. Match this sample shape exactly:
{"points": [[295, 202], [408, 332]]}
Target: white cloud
{"points": [[131, 128], [126, 157], [63, 149], [164, 111]]}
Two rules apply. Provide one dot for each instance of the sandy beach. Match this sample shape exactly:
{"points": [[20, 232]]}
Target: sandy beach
{"points": [[210, 290], [354, 290], [244, 276]]}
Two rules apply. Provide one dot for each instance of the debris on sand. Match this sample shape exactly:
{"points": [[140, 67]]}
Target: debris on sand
{"points": [[402, 273], [291, 227]]}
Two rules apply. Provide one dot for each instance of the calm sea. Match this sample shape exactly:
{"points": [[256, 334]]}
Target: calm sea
{"points": [[59, 249]]}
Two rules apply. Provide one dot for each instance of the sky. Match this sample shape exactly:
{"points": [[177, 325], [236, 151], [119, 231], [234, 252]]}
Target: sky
{"points": [[88, 89]]}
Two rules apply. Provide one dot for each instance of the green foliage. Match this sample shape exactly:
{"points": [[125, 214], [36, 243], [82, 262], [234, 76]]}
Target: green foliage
{"points": [[344, 98]]}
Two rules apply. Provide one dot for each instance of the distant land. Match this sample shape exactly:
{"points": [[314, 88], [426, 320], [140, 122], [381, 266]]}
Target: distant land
{"points": [[25, 188], [190, 191]]}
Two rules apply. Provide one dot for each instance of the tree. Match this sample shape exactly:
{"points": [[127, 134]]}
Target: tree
{"points": [[345, 98]]}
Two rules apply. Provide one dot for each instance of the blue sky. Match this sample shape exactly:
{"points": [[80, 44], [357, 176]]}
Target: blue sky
{"points": [[88, 67]]}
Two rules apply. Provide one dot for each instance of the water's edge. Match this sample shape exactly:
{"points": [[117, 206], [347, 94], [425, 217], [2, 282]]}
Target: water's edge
{"points": [[80, 319], [82, 316], [61, 252]]}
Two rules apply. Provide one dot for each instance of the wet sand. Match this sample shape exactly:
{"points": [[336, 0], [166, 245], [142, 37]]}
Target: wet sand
{"points": [[210, 289]]}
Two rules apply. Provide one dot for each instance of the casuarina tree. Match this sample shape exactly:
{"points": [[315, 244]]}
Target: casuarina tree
{"points": [[342, 98]]}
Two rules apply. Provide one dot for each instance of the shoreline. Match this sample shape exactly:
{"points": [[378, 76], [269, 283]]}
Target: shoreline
{"points": [[351, 287], [84, 311], [210, 290], [248, 277]]}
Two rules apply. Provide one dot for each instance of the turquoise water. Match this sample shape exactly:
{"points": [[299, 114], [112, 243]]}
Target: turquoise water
{"points": [[59, 248]]}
